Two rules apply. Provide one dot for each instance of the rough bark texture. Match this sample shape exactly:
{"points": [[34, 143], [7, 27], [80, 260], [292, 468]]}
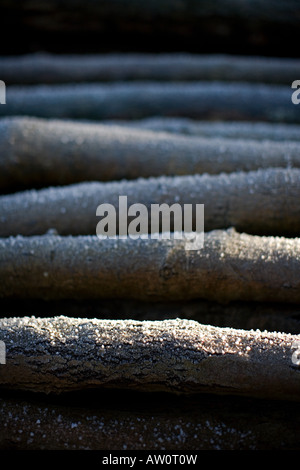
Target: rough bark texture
{"points": [[230, 267], [129, 421], [47, 68], [260, 202], [63, 354], [219, 129], [203, 100], [270, 316], [36, 152]]}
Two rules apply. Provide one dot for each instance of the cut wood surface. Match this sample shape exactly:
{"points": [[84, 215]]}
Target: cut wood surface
{"points": [[216, 129], [49, 68], [181, 356], [130, 421], [230, 267], [261, 202], [201, 100], [40, 152]]}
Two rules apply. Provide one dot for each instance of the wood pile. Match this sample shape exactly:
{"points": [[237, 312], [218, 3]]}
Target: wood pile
{"points": [[142, 344]]}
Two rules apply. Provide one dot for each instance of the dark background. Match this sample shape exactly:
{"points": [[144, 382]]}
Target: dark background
{"points": [[248, 27]]}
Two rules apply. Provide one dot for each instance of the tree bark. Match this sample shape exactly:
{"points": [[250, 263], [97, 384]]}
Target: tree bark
{"points": [[50, 68], [229, 267], [261, 202], [62, 354], [200, 100], [36, 153]]}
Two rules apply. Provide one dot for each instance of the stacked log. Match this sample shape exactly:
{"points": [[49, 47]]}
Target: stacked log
{"points": [[214, 331], [42, 153], [136, 100], [50, 68]]}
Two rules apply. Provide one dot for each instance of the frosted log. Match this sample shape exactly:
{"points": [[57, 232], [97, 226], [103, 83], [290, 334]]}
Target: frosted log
{"points": [[63, 68], [229, 267], [180, 356], [198, 100], [37, 152], [261, 202]]}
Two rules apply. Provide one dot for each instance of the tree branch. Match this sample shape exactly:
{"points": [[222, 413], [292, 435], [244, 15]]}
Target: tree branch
{"points": [[229, 267], [36, 152], [261, 202], [200, 100], [62, 68], [63, 354]]}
